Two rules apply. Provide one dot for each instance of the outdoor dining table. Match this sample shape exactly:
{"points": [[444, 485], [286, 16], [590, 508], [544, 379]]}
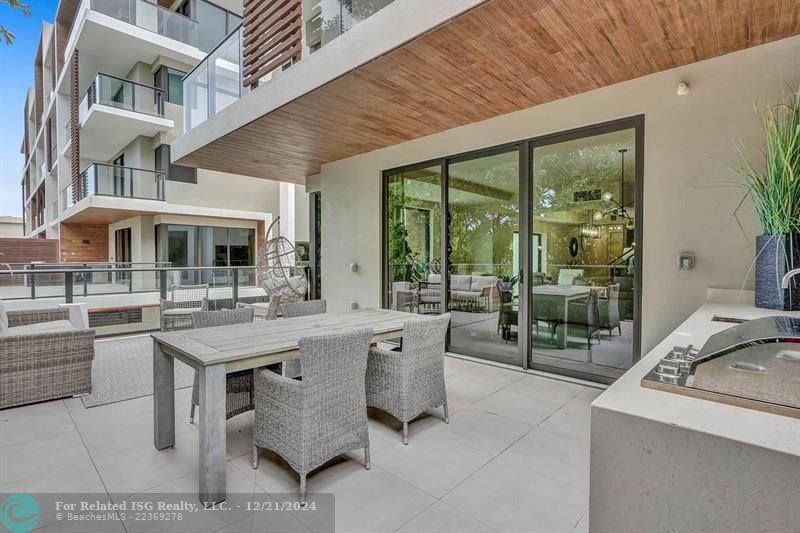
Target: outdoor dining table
{"points": [[217, 351]]}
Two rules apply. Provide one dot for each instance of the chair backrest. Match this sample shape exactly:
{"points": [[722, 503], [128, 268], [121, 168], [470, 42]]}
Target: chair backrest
{"points": [[334, 370], [613, 302], [592, 312], [189, 295], [225, 317], [272, 307], [309, 307], [424, 340], [567, 275]]}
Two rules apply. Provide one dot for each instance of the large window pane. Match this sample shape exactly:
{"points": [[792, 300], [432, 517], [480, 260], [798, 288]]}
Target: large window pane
{"points": [[583, 208], [483, 299], [413, 245]]}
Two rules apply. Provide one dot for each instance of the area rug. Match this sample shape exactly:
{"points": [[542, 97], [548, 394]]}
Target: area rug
{"points": [[123, 370]]}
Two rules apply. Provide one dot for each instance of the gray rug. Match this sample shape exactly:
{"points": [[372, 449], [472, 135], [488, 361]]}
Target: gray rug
{"points": [[123, 370]]}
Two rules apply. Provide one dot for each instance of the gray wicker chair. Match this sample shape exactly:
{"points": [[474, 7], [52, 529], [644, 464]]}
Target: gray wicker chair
{"points": [[184, 299], [270, 312], [405, 383], [292, 369], [238, 385], [43, 357], [310, 422]]}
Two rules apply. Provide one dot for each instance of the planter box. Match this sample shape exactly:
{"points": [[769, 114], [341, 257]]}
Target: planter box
{"points": [[776, 255]]}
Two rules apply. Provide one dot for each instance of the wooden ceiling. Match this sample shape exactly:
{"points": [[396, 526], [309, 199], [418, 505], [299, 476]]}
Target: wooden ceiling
{"points": [[502, 56]]}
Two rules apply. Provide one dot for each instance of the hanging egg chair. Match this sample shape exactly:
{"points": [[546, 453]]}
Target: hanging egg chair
{"points": [[279, 271]]}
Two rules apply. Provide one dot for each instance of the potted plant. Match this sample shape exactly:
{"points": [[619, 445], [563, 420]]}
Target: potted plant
{"points": [[775, 193], [507, 282]]}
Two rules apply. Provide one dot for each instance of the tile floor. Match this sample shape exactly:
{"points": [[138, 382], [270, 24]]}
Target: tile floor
{"points": [[515, 457]]}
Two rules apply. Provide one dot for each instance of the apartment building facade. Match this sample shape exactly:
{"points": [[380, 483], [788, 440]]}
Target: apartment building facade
{"points": [[106, 105]]}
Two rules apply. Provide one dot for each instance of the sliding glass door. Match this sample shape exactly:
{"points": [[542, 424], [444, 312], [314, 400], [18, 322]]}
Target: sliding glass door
{"points": [[532, 247], [584, 218], [484, 255]]}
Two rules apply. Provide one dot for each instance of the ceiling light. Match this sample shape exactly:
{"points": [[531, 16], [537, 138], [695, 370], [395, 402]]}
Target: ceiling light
{"points": [[607, 196]]}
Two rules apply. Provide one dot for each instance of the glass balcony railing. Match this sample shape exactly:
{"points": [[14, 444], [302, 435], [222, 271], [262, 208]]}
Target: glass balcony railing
{"points": [[150, 16], [215, 83], [123, 94], [109, 180]]}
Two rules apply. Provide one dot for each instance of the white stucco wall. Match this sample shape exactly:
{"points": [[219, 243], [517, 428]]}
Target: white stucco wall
{"points": [[690, 148]]}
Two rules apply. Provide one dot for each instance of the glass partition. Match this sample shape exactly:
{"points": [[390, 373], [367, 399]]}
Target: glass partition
{"points": [[150, 16], [124, 94], [112, 180]]}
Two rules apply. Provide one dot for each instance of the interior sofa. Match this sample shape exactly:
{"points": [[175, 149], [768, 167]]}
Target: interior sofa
{"points": [[467, 292], [44, 354]]}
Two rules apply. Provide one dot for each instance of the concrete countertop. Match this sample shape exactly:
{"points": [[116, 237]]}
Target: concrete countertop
{"points": [[757, 428]]}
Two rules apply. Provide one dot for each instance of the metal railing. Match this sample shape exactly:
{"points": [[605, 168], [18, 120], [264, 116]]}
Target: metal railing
{"points": [[123, 94], [100, 179], [40, 280], [150, 16]]}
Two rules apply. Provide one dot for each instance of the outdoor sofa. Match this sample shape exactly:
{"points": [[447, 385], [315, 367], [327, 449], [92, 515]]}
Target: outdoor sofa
{"points": [[44, 354]]}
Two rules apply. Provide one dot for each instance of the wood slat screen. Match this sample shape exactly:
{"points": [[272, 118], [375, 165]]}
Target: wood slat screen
{"points": [[271, 37], [74, 127]]}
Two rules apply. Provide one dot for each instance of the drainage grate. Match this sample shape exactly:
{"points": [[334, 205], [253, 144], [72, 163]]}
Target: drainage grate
{"points": [[115, 318]]}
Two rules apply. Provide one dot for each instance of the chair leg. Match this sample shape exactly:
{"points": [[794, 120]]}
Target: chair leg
{"points": [[367, 463], [255, 456], [405, 433], [302, 487], [191, 414], [446, 414]]}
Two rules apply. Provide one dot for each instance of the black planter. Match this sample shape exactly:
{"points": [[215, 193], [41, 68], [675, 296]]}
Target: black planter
{"points": [[775, 256]]}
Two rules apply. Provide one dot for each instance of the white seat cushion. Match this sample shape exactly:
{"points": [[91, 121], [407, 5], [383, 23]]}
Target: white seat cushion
{"points": [[181, 311], [480, 282], [42, 327], [464, 295]]}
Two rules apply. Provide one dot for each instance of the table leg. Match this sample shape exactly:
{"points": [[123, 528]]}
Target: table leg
{"points": [[163, 398], [212, 434], [563, 340]]}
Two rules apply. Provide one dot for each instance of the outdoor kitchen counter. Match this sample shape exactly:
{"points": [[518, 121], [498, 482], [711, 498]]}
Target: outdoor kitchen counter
{"points": [[662, 461]]}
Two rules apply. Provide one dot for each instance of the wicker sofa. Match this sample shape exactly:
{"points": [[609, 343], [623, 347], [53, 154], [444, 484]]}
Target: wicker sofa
{"points": [[467, 292], [43, 356]]}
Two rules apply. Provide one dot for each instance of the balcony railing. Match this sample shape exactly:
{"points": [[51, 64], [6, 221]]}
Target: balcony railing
{"points": [[215, 83], [150, 16], [123, 182], [123, 94]]}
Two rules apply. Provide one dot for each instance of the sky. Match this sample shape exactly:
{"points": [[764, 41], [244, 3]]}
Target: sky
{"points": [[16, 75]]}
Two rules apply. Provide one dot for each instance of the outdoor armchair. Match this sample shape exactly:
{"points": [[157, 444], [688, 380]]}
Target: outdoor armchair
{"points": [[310, 422], [292, 369], [405, 383], [184, 299], [583, 317], [262, 311], [44, 356], [609, 310], [238, 385]]}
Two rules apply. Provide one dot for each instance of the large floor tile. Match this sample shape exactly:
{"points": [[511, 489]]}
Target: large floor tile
{"points": [[37, 425], [113, 412], [490, 375], [32, 409], [372, 501], [144, 467], [583, 525], [574, 417], [267, 522], [558, 454], [551, 390], [34, 458], [111, 437], [464, 391], [273, 475], [517, 407], [432, 462], [454, 365], [81, 479], [442, 518], [517, 499], [483, 431], [392, 428]]}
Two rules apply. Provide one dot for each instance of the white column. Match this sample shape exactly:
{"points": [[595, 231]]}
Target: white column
{"points": [[287, 211]]}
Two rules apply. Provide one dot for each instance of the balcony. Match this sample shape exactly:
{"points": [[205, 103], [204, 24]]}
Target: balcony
{"points": [[120, 182], [150, 16], [115, 111], [218, 80]]}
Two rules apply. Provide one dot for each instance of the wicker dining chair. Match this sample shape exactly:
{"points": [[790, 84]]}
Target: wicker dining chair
{"points": [[184, 299], [405, 383], [292, 369], [238, 385], [310, 422], [262, 313]]}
